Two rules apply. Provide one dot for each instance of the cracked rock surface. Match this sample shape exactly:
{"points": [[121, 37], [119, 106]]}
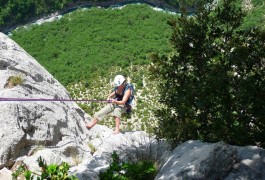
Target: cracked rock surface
{"points": [[27, 124]]}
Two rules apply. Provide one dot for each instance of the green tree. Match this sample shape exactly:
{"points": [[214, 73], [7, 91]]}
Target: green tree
{"points": [[212, 84]]}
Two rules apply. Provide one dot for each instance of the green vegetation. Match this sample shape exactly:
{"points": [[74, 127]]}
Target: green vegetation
{"points": [[21, 11], [142, 170], [255, 16], [14, 81], [52, 172], [93, 149], [85, 49], [83, 44], [213, 82]]}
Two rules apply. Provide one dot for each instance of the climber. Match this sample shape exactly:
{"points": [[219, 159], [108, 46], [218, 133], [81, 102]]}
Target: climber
{"points": [[119, 102]]}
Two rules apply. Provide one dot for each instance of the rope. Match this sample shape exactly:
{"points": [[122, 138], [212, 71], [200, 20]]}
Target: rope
{"points": [[51, 100]]}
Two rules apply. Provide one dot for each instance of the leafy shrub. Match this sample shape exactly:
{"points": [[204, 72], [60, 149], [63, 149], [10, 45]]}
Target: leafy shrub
{"points": [[49, 172], [213, 82], [143, 170]]}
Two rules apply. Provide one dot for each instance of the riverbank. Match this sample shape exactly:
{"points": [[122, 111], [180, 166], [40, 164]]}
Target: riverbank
{"points": [[79, 4]]}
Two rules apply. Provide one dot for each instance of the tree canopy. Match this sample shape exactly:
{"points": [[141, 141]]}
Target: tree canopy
{"points": [[86, 43], [212, 85]]}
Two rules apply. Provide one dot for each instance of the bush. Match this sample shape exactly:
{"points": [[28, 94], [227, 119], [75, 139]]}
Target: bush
{"points": [[144, 170], [213, 82], [51, 172]]}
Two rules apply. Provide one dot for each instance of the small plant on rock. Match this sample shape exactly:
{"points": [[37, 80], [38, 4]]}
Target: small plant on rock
{"points": [[129, 171], [14, 81], [92, 148], [51, 172]]}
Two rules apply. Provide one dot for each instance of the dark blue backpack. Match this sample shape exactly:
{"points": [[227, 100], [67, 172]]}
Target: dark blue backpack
{"points": [[130, 104]]}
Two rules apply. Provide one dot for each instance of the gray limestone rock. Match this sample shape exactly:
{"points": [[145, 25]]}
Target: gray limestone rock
{"points": [[197, 160], [130, 146], [5, 174], [249, 164], [34, 123]]}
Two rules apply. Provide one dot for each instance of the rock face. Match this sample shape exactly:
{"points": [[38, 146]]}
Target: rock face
{"points": [[28, 124], [194, 160], [249, 164], [197, 160], [56, 131]]}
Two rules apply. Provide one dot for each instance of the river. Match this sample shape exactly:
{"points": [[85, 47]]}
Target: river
{"points": [[155, 4]]}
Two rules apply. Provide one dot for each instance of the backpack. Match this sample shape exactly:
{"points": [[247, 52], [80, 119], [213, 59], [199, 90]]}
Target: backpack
{"points": [[131, 104]]}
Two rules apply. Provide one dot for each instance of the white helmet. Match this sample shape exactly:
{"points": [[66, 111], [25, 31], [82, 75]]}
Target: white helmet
{"points": [[118, 80]]}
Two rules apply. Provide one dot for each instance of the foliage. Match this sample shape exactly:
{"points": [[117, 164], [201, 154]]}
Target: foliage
{"points": [[90, 46], [22, 10], [143, 170], [212, 84], [49, 172], [93, 149], [255, 18], [19, 170], [84, 55], [15, 80], [73, 48]]}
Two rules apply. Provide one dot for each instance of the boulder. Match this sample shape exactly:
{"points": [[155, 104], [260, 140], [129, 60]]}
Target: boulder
{"points": [[5, 174], [197, 160], [249, 164], [130, 146], [25, 124]]}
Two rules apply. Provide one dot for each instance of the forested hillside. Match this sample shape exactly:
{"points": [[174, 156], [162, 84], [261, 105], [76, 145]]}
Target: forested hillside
{"points": [[83, 44], [86, 48], [19, 12]]}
